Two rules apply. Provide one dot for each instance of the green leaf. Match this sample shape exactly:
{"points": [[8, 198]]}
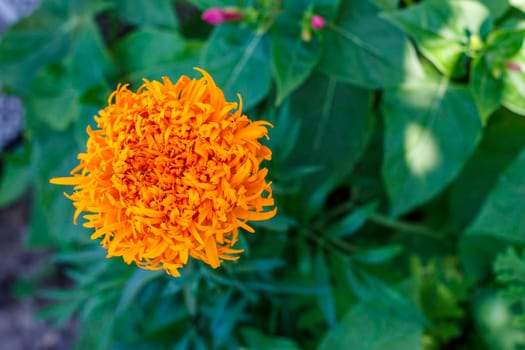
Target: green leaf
{"points": [[181, 64], [351, 222], [148, 47], [431, 129], [326, 8], [519, 4], [322, 278], [336, 125], [363, 49], [513, 94], [44, 37], [497, 8], [205, 4], [88, 63], [159, 13], [489, 71], [501, 143], [54, 100], [501, 216], [386, 4], [368, 326], [256, 340], [442, 28], [510, 267], [53, 155], [378, 255], [293, 59], [237, 58], [15, 176], [134, 285]]}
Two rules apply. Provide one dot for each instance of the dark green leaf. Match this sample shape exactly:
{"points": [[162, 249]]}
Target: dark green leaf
{"points": [[148, 47], [363, 49], [88, 63], [44, 37], [181, 64], [293, 59], [352, 222], [378, 255], [336, 125], [237, 58], [260, 341], [423, 149], [15, 176], [151, 13], [322, 278], [53, 155], [442, 29], [501, 215], [206, 4], [501, 143], [326, 8], [134, 285]]}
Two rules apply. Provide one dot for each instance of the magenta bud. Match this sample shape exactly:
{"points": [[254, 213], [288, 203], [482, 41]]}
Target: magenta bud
{"points": [[513, 66], [217, 15], [317, 22]]}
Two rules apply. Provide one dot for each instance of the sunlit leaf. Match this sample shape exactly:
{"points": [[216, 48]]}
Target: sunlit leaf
{"points": [[431, 128]]}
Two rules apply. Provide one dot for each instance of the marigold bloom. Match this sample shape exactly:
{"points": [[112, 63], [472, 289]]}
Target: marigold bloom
{"points": [[171, 172]]}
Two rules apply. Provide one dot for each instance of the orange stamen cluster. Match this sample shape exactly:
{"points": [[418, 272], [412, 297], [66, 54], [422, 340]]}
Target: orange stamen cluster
{"points": [[170, 173]]}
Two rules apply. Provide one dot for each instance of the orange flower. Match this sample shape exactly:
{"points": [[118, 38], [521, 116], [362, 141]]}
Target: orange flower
{"points": [[170, 173]]}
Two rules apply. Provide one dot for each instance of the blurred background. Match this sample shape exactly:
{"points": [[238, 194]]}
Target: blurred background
{"points": [[398, 161]]}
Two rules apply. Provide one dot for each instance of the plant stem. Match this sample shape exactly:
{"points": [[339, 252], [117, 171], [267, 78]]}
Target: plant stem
{"points": [[403, 226]]}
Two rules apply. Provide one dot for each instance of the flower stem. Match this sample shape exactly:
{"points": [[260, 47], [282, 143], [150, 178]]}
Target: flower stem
{"points": [[403, 226]]}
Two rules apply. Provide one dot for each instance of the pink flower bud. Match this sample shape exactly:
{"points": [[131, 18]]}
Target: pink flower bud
{"points": [[513, 66], [317, 22], [217, 15]]}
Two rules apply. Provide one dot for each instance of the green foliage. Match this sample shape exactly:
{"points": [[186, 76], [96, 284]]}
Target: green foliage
{"points": [[398, 170]]}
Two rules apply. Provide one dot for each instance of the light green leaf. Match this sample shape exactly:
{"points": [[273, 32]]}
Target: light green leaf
{"points": [[497, 8], [501, 216], [490, 72], [441, 29], [293, 59], [368, 326], [519, 4], [513, 94], [431, 129], [363, 49], [237, 58]]}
